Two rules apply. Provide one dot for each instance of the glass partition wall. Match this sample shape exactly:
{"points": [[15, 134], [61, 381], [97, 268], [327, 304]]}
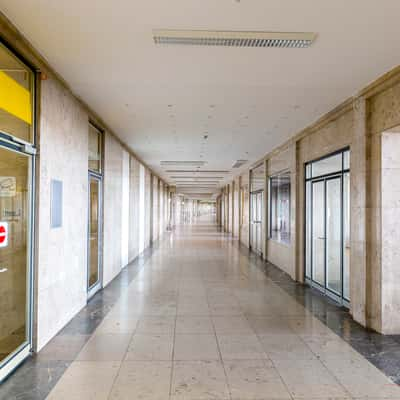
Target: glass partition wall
{"points": [[327, 230], [17, 152], [257, 181], [95, 210], [279, 208]]}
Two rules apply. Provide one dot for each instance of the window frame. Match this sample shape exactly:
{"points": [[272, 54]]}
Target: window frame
{"points": [[270, 200], [101, 148]]}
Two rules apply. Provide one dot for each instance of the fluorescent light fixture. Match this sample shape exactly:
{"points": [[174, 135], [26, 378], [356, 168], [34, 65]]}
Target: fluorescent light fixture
{"points": [[239, 163], [234, 38], [183, 163]]}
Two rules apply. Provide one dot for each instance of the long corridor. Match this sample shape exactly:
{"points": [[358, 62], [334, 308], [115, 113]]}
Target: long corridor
{"points": [[202, 320]]}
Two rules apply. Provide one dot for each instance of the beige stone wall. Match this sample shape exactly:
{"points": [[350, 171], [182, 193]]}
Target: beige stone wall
{"points": [[112, 262], [282, 254], [382, 283], [148, 209], [236, 207], [61, 269], [134, 208], [245, 208], [155, 209]]}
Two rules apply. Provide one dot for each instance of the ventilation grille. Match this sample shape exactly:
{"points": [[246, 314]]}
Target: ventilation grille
{"points": [[234, 39], [239, 163]]}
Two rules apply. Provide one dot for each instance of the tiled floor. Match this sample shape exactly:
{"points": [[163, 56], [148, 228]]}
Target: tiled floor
{"points": [[204, 320]]}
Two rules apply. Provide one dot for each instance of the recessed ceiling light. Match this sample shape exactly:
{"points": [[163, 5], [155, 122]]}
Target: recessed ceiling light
{"points": [[234, 38]]}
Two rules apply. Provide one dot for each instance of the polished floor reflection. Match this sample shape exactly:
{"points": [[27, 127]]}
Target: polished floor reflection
{"points": [[198, 323], [203, 319]]}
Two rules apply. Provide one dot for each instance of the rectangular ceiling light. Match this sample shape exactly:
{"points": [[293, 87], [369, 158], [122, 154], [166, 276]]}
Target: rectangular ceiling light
{"points": [[183, 163], [239, 163], [214, 178], [181, 171], [234, 38]]}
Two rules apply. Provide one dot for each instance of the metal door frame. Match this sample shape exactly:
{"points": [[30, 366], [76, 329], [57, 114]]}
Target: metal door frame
{"points": [[92, 290], [324, 178], [13, 360], [12, 143], [256, 224]]}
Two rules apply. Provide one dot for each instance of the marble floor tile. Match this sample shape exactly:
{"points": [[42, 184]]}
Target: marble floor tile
{"points": [[107, 347], [285, 347], [240, 347], [150, 347], [33, 380], [86, 380], [361, 379], [199, 380], [156, 324], [144, 380], [270, 326], [196, 347], [63, 347], [194, 324], [307, 379], [254, 379], [329, 347], [121, 324], [231, 325]]}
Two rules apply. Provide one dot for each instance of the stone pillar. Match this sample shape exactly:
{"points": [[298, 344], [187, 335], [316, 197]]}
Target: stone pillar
{"points": [[390, 232], [265, 216], [358, 220]]}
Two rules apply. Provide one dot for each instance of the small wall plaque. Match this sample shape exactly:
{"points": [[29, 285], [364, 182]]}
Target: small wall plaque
{"points": [[56, 204]]}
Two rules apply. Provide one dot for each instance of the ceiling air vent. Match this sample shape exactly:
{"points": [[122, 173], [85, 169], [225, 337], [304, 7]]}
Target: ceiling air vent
{"points": [[239, 163], [234, 38]]}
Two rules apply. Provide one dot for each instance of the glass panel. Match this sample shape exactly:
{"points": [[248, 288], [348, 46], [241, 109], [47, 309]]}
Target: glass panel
{"points": [[280, 208], [14, 215], [346, 236], [16, 97], [253, 237], [259, 224], [333, 235], [257, 178], [308, 171], [327, 165], [346, 159], [95, 149], [94, 232], [318, 227], [308, 230]]}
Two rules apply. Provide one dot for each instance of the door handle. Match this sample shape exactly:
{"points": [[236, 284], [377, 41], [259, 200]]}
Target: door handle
{"points": [[321, 238]]}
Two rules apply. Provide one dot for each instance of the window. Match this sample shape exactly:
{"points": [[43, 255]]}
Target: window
{"points": [[257, 178], [16, 97], [280, 208], [95, 149]]}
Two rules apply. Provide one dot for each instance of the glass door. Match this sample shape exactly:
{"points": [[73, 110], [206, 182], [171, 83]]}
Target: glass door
{"points": [[327, 246], [16, 178], [256, 222], [259, 222], [318, 232], [94, 239], [333, 235]]}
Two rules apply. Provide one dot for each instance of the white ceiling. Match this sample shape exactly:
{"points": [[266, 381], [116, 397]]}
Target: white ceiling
{"points": [[162, 100]]}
